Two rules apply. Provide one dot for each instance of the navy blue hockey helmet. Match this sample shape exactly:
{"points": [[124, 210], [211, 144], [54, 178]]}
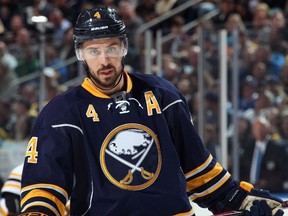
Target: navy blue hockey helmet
{"points": [[96, 23]]}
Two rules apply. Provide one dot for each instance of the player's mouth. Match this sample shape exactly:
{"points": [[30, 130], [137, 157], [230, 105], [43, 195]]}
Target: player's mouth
{"points": [[106, 72]]}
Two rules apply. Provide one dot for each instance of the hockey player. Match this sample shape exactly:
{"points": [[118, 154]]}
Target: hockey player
{"points": [[10, 193], [124, 143]]}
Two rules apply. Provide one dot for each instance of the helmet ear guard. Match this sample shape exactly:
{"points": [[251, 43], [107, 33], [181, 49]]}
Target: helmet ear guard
{"points": [[125, 51], [79, 54]]}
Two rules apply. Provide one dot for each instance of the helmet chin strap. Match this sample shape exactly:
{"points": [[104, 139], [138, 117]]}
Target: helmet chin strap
{"points": [[93, 81]]}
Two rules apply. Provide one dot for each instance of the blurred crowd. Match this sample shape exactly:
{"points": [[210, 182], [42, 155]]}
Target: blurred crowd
{"points": [[263, 68]]}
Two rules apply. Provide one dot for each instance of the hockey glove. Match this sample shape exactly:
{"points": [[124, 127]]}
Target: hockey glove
{"points": [[261, 208], [242, 197], [254, 201]]}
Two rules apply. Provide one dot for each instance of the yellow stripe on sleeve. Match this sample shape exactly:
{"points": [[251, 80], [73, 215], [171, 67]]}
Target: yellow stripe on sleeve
{"points": [[212, 188], [47, 195], [46, 186], [200, 168], [203, 179]]}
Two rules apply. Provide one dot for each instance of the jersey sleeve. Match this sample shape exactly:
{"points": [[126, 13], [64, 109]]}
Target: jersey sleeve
{"points": [[206, 179], [10, 192], [47, 178], [13, 183]]}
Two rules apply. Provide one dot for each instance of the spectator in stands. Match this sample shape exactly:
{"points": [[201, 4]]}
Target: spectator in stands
{"points": [[17, 22], [52, 85], [183, 85], [234, 21], [262, 53], [212, 107], [273, 115], [284, 77], [248, 93], [261, 23], [246, 55], [283, 130], [171, 70], [273, 85], [163, 6], [271, 173], [7, 76], [86, 5], [263, 102], [20, 122], [204, 7], [53, 60], [30, 91], [4, 119], [211, 139], [259, 72], [7, 57], [226, 8], [7, 10], [180, 40], [67, 53], [69, 9], [146, 9], [67, 50], [60, 24], [273, 59], [244, 133], [242, 8], [25, 50], [278, 25], [190, 59], [277, 56], [132, 21], [276, 4]]}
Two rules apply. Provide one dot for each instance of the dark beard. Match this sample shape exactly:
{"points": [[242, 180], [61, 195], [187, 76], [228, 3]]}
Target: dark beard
{"points": [[98, 83]]}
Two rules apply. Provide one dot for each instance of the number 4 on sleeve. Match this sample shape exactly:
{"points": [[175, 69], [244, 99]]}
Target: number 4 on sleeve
{"points": [[31, 151]]}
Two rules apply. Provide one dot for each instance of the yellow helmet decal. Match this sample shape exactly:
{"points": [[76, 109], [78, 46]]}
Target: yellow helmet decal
{"points": [[97, 15]]}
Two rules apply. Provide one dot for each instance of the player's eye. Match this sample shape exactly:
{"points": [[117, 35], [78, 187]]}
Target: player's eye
{"points": [[112, 51], [93, 52]]}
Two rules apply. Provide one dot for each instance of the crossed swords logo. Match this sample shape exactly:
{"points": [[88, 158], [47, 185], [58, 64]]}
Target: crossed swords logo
{"points": [[129, 177]]}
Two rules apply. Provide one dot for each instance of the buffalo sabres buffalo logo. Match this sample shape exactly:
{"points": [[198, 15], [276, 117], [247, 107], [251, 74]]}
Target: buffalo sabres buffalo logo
{"points": [[130, 157]]}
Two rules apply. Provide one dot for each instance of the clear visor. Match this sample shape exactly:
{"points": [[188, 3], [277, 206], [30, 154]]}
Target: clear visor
{"points": [[96, 52]]}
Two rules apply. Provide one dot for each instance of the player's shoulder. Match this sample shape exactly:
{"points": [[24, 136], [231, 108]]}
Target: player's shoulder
{"points": [[153, 81], [62, 104]]}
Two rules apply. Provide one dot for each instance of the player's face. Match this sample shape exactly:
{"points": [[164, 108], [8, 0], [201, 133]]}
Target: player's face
{"points": [[104, 59]]}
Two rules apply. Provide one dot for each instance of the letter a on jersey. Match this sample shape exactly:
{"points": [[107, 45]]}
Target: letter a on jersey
{"points": [[151, 103]]}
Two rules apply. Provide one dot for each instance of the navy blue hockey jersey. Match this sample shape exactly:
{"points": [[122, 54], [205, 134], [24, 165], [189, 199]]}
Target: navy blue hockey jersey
{"points": [[133, 153]]}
